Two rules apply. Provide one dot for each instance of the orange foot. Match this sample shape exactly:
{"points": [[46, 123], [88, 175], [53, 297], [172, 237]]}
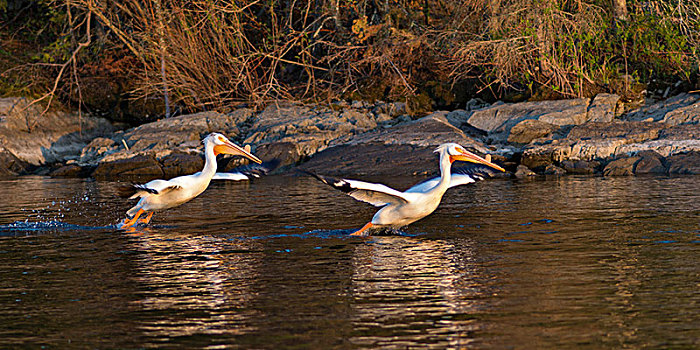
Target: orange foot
{"points": [[131, 222], [147, 219], [362, 232]]}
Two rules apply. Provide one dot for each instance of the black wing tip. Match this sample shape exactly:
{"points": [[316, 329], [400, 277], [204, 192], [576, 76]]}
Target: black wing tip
{"points": [[477, 171], [337, 183], [144, 188], [127, 190], [254, 170]]}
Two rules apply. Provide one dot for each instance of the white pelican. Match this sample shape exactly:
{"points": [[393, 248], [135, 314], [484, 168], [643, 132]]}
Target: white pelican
{"points": [[402, 208], [163, 194]]}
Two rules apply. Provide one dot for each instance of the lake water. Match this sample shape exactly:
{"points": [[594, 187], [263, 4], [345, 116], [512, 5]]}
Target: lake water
{"points": [[571, 262]]}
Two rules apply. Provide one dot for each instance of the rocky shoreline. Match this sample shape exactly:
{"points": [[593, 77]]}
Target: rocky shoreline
{"points": [[576, 136]]}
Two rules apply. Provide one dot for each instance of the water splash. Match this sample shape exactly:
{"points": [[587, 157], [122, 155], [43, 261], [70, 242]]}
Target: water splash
{"points": [[26, 227]]}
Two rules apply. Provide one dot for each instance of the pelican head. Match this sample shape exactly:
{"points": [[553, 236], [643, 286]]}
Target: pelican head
{"points": [[457, 152], [223, 145]]}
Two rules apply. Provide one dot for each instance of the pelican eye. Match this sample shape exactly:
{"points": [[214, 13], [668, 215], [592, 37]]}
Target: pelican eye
{"points": [[221, 139]]}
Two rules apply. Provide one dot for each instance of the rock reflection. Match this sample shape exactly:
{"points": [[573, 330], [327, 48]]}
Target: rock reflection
{"points": [[412, 292], [194, 285]]}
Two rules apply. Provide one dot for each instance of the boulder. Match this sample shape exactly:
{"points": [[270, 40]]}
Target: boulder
{"points": [[684, 163], [665, 148], [141, 165], [498, 119], [684, 115], [308, 129], [659, 110], [187, 130], [179, 163], [404, 149], [69, 170], [37, 138], [580, 166], [168, 147], [602, 108], [531, 129], [429, 131], [10, 164], [552, 169], [681, 132], [523, 172], [650, 163], [619, 167], [629, 131], [598, 141]]}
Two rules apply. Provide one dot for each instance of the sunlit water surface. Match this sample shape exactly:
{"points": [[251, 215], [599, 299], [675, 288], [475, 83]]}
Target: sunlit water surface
{"points": [[582, 262]]}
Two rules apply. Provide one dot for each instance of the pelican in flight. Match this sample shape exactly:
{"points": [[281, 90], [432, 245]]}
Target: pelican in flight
{"points": [[164, 194], [398, 208]]}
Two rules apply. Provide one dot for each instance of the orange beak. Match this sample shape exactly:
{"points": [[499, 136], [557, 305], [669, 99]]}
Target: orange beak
{"points": [[473, 158], [231, 148]]}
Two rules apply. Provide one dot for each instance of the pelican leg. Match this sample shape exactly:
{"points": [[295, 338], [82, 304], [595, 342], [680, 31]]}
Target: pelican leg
{"points": [[361, 232], [131, 222], [147, 219]]}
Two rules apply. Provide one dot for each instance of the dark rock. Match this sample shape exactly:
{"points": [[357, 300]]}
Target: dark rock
{"points": [[538, 158], [373, 158], [178, 164], [70, 170], [580, 166], [10, 164], [287, 152], [684, 163], [169, 147], [523, 172], [621, 167], [552, 169], [138, 166], [528, 130], [404, 149], [650, 163]]}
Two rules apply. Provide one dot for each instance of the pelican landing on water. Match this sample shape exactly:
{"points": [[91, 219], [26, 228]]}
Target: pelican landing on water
{"points": [[164, 194], [402, 208]]}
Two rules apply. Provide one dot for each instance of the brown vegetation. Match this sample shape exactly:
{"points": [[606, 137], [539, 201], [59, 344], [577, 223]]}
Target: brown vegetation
{"points": [[214, 54]]}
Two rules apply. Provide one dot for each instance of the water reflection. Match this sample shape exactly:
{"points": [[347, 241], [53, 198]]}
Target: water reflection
{"points": [[203, 284], [592, 262], [410, 292]]}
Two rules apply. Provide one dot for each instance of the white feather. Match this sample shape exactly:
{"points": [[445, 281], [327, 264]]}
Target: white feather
{"points": [[455, 180], [376, 194], [230, 176]]}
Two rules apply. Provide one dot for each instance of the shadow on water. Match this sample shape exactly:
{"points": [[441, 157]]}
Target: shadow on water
{"points": [[609, 263]]}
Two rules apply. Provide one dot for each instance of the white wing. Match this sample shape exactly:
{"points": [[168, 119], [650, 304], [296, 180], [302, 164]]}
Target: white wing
{"points": [[230, 176], [376, 194], [427, 185]]}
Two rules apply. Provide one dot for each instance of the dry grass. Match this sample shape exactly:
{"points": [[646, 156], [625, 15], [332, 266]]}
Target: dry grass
{"points": [[214, 54]]}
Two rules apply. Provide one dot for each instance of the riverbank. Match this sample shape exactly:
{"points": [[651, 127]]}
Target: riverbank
{"points": [[577, 136]]}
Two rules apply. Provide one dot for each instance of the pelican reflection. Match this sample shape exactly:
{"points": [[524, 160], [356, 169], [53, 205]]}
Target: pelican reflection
{"points": [[417, 292]]}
